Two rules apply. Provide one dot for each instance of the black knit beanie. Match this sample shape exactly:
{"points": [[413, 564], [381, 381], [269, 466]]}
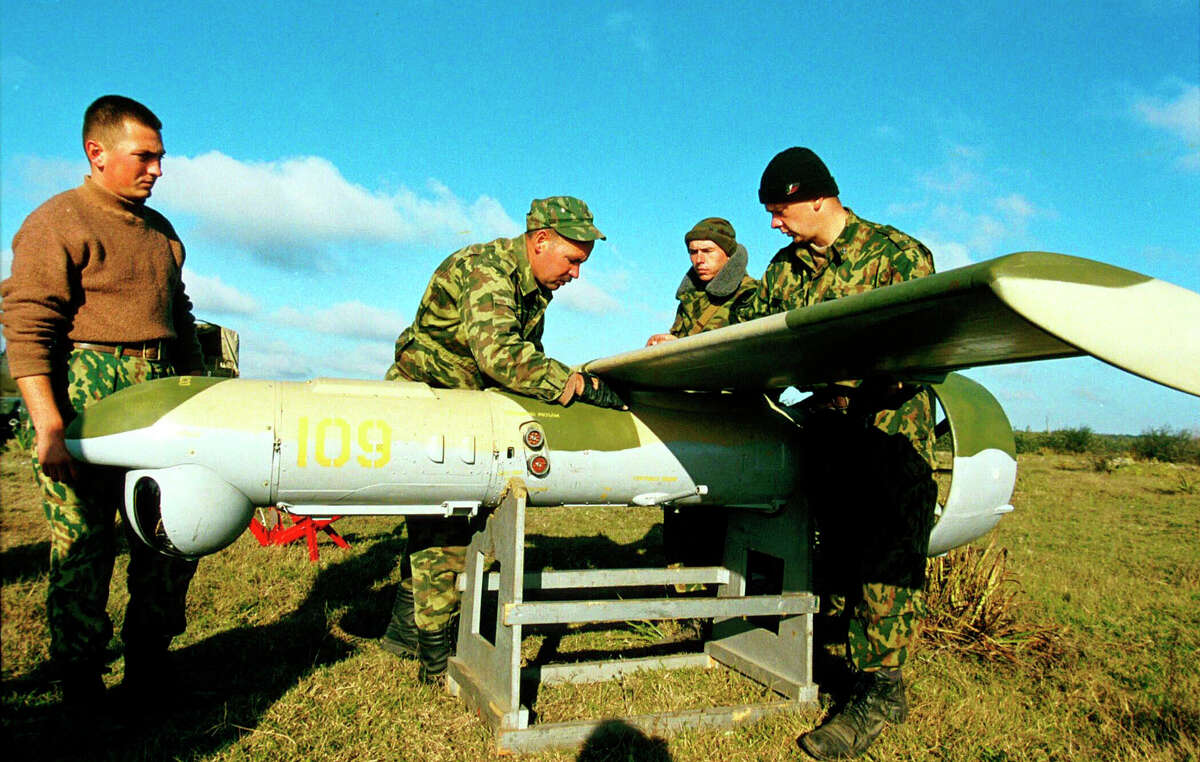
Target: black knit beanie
{"points": [[796, 174]]}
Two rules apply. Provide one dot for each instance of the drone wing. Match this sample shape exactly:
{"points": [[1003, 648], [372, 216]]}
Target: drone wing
{"points": [[1024, 306]]}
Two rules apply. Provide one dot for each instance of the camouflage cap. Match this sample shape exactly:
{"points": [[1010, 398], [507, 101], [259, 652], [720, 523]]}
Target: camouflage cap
{"points": [[567, 215]]}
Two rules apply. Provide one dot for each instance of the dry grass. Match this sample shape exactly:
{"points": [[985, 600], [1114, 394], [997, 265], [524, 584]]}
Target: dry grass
{"points": [[975, 603], [279, 661]]}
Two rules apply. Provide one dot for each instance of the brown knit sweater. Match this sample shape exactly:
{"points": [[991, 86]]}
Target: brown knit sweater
{"points": [[90, 266]]}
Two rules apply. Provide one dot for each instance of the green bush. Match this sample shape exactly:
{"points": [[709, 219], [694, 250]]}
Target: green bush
{"points": [[1077, 440], [1030, 441], [1167, 446]]}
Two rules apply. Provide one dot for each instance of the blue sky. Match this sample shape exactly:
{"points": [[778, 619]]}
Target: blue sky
{"points": [[322, 159]]}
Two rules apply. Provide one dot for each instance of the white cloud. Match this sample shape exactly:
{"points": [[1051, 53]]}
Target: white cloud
{"points": [[284, 210], [262, 357], [979, 233], [983, 234], [968, 213], [214, 295], [351, 319], [950, 178], [42, 178], [1017, 211], [5, 263], [267, 356], [584, 296], [368, 360], [947, 255], [1178, 116], [1015, 206], [905, 209], [959, 174]]}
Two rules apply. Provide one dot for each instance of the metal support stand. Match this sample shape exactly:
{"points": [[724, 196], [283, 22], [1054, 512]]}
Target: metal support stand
{"points": [[762, 552]]}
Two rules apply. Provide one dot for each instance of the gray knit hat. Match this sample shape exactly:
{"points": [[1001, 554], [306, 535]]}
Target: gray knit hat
{"points": [[715, 229]]}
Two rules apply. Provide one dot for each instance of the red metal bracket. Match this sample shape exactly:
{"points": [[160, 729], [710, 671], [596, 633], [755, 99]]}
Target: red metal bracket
{"points": [[271, 530]]}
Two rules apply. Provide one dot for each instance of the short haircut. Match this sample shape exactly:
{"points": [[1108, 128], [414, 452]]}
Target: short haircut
{"points": [[108, 113]]}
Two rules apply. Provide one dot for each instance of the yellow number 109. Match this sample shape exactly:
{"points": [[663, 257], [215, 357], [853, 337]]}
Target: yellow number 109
{"points": [[331, 445]]}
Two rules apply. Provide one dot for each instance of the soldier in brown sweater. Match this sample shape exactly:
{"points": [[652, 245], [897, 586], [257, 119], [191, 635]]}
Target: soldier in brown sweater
{"points": [[96, 303]]}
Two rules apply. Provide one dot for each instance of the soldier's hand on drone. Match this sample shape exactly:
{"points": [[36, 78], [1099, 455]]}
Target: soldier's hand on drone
{"points": [[592, 390]]}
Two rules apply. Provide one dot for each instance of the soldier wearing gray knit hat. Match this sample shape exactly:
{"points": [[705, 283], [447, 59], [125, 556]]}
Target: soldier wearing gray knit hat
{"points": [[715, 284], [715, 229]]}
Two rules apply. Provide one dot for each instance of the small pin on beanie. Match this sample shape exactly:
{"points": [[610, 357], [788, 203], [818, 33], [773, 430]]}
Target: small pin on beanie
{"points": [[796, 174]]}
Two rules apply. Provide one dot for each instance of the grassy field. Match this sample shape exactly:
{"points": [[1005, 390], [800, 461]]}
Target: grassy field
{"points": [[279, 658]]}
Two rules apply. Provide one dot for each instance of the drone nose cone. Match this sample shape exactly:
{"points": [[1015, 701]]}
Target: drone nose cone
{"points": [[137, 407]]}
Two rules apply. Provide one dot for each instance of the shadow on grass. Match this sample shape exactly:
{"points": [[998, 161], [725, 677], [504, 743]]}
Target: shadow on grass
{"points": [[1168, 724], [568, 553], [546, 551], [617, 740], [226, 682], [24, 563]]}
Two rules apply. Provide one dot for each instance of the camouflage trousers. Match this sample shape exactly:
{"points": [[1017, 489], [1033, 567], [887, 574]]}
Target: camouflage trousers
{"points": [[872, 496], [877, 622], [434, 557], [83, 542]]}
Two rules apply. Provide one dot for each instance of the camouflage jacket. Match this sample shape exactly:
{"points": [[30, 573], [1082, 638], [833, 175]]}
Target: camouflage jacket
{"points": [[480, 324], [865, 256], [705, 306]]}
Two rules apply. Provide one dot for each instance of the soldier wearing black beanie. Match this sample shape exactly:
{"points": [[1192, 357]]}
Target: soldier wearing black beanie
{"points": [[796, 174], [873, 500]]}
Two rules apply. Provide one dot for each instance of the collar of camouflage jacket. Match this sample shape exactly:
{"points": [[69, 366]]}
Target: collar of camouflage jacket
{"points": [[836, 251], [726, 282], [528, 284]]}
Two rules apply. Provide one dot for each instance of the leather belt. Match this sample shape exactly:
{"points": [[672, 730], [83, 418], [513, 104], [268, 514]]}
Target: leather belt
{"points": [[149, 350]]}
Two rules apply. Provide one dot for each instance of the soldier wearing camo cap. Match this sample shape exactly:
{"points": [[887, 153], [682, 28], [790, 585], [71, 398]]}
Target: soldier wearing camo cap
{"points": [[874, 499], [96, 303], [480, 325]]}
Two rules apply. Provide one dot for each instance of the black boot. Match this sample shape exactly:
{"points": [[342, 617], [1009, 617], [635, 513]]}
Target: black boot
{"points": [[878, 698], [150, 680], [86, 709], [82, 690], [889, 690], [401, 636], [435, 647]]}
